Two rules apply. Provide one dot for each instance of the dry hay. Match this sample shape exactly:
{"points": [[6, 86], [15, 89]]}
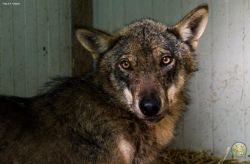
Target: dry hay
{"points": [[192, 157]]}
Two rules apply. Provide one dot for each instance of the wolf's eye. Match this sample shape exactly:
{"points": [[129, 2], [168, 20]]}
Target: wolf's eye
{"points": [[125, 64], [166, 60]]}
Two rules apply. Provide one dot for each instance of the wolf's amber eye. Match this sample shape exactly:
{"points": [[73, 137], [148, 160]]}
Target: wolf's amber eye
{"points": [[125, 64], [167, 60]]}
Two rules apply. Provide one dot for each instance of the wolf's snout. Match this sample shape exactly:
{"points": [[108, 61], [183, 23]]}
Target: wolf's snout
{"points": [[149, 106]]}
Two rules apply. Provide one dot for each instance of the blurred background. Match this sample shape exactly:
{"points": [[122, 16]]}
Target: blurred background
{"points": [[37, 43]]}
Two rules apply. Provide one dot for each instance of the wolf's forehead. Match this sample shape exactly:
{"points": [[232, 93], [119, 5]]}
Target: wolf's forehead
{"points": [[145, 26], [131, 44], [137, 46], [144, 37]]}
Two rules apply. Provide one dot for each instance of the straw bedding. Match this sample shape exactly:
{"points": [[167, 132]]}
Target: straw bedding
{"points": [[175, 156]]}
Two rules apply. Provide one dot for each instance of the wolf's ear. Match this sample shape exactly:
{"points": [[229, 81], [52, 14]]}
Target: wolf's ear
{"points": [[192, 26], [94, 41]]}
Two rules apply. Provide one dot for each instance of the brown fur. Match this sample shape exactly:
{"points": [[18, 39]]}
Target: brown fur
{"points": [[99, 118]]}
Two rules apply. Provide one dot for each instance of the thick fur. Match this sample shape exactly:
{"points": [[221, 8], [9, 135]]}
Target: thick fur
{"points": [[96, 118]]}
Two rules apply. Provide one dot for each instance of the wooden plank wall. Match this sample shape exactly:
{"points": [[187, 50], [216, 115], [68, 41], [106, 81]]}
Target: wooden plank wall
{"points": [[35, 44], [219, 114], [81, 16]]}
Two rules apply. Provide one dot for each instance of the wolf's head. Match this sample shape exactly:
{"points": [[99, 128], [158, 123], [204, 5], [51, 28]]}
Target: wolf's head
{"points": [[147, 63]]}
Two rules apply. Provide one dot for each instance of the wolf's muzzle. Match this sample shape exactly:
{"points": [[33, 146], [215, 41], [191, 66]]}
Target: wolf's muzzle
{"points": [[150, 106]]}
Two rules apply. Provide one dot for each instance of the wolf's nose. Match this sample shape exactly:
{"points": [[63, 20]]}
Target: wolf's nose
{"points": [[149, 107]]}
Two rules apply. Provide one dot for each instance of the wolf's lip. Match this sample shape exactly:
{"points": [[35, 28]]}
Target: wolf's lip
{"points": [[154, 119]]}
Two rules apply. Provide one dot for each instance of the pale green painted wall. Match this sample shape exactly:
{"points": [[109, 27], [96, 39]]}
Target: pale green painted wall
{"points": [[35, 44], [110, 15], [219, 114]]}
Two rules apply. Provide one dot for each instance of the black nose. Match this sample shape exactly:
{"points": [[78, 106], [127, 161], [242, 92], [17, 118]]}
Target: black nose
{"points": [[149, 106]]}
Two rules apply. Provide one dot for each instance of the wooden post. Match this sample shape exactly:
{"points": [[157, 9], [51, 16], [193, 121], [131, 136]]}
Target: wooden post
{"points": [[81, 13]]}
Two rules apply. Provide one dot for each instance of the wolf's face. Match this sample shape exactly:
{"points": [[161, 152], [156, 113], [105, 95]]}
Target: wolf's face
{"points": [[147, 63]]}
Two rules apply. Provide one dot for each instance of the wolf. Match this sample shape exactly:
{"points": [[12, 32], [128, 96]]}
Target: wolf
{"points": [[123, 112]]}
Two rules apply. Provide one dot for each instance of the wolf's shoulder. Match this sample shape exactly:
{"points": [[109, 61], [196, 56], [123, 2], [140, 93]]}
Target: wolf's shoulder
{"points": [[69, 87], [73, 83]]}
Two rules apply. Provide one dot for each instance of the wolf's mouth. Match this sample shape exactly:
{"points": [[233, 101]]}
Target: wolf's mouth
{"points": [[154, 119]]}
